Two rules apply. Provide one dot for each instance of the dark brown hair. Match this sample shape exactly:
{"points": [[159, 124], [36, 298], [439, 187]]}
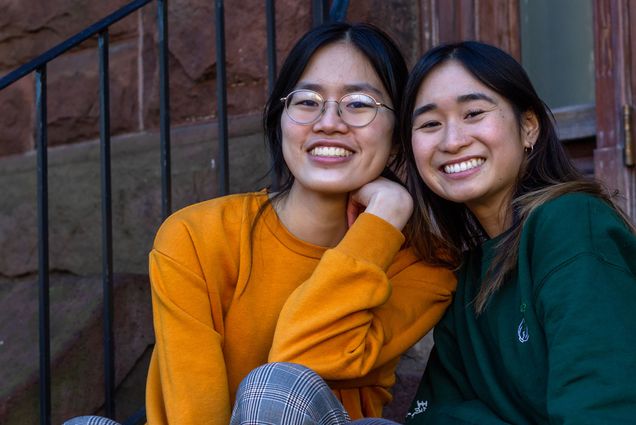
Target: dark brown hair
{"points": [[439, 225]]}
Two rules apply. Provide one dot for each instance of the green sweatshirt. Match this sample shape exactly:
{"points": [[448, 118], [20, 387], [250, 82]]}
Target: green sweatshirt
{"points": [[556, 344]]}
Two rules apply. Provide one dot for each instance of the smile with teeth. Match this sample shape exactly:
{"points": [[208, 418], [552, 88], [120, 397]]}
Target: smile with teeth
{"points": [[330, 152], [463, 166]]}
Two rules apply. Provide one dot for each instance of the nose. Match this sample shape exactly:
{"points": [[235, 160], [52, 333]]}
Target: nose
{"points": [[330, 121], [455, 138]]}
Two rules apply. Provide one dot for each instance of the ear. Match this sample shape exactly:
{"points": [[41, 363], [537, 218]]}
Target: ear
{"points": [[529, 129]]}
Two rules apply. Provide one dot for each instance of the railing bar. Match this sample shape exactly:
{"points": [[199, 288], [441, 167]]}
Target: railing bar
{"points": [[319, 11], [270, 13], [164, 109], [71, 42], [224, 174], [338, 10], [107, 232], [43, 246]]}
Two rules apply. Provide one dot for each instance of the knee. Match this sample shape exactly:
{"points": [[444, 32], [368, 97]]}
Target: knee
{"points": [[280, 369], [285, 393], [277, 376], [90, 420]]}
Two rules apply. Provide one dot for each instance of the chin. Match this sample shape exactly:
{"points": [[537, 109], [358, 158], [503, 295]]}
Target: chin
{"points": [[335, 190], [332, 186]]}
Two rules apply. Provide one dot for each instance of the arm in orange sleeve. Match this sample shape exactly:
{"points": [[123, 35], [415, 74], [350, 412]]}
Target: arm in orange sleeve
{"points": [[364, 305], [187, 380]]}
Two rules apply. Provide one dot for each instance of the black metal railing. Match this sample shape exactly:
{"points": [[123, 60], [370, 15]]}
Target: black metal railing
{"points": [[320, 13], [39, 67]]}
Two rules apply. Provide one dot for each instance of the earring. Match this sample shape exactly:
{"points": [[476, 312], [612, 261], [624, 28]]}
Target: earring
{"points": [[529, 149]]}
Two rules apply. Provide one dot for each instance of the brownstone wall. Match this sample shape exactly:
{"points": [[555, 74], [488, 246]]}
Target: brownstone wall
{"points": [[29, 28]]}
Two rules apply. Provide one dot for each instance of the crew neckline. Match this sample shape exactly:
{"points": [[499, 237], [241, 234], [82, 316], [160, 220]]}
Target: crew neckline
{"points": [[284, 236]]}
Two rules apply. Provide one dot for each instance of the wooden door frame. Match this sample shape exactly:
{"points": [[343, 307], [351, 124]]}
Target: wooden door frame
{"points": [[615, 90]]}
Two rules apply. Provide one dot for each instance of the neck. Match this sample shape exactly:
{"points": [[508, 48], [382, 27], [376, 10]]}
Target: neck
{"points": [[317, 218], [493, 219]]}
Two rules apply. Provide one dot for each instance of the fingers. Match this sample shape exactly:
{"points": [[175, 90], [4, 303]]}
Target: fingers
{"points": [[383, 198], [354, 209]]}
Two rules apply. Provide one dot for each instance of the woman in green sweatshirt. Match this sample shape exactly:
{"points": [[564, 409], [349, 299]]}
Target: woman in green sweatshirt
{"points": [[541, 328]]}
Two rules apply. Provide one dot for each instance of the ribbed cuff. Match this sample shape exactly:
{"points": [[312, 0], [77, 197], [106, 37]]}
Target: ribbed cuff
{"points": [[372, 239]]}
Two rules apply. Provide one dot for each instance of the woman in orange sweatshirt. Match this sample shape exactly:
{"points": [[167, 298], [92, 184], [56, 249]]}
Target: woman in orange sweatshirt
{"points": [[315, 273]]}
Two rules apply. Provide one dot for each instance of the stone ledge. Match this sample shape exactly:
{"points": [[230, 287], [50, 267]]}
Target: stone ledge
{"points": [[76, 345], [75, 197]]}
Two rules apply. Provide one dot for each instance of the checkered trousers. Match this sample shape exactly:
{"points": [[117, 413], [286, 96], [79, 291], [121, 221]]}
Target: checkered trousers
{"points": [[290, 394], [90, 420]]}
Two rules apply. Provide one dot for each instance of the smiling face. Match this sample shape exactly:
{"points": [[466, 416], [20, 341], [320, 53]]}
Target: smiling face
{"points": [[329, 156], [468, 143]]}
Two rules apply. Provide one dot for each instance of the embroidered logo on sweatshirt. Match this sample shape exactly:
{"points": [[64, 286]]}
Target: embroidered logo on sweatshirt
{"points": [[522, 329], [420, 407]]}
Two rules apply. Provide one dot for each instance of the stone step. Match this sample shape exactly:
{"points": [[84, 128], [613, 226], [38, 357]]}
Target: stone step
{"points": [[77, 382]]}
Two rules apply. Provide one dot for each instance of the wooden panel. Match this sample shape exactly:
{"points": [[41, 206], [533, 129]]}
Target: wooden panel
{"points": [[575, 122], [429, 34], [614, 88], [609, 64], [498, 24], [492, 21], [456, 20]]}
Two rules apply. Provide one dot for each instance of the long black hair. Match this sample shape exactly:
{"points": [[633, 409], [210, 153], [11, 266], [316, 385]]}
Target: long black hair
{"points": [[439, 225], [382, 53]]}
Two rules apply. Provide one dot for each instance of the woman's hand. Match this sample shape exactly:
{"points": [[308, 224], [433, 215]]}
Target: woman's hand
{"points": [[386, 199]]}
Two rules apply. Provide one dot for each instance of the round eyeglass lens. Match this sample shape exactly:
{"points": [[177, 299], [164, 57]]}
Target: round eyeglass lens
{"points": [[304, 106], [357, 109]]}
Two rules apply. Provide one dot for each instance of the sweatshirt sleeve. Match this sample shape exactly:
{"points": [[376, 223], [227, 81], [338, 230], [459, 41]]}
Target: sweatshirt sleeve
{"points": [[187, 379], [587, 305], [363, 306]]}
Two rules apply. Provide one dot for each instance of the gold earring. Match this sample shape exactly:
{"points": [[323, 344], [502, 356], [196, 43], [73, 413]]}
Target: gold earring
{"points": [[529, 149]]}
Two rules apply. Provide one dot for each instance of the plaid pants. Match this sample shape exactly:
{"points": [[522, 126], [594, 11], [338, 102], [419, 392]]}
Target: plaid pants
{"points": [[278, 394], [90, 420], [290, 394]]}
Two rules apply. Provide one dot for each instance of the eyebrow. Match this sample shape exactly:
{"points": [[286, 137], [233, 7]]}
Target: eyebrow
{"points": [[475, 96], [464, 98], [348, 88]]}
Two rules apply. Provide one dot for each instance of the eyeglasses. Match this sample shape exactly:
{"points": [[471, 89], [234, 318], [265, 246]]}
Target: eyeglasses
{"points": [[355, 109]]}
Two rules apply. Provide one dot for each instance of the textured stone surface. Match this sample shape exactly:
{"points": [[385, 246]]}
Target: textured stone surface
{"points": [[27, 30], [73, 104], [74, 195], [17, 117], [193, 57], [76, 345]]}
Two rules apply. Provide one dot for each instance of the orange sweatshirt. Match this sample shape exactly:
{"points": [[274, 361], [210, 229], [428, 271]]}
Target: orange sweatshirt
{"points": [[226, 300]]}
